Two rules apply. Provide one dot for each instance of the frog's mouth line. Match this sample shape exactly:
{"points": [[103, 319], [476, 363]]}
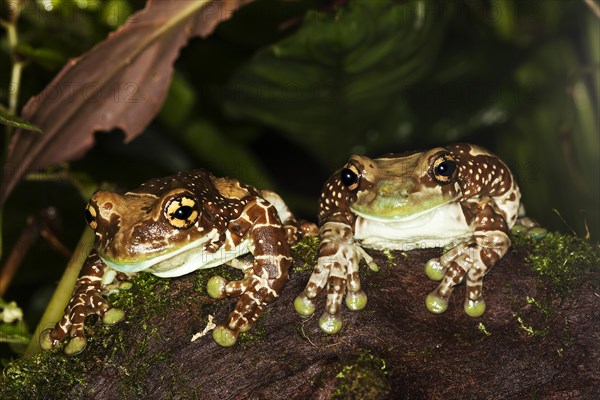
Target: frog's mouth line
{"points": [[146, 264], [401, 218], [182, 261]]}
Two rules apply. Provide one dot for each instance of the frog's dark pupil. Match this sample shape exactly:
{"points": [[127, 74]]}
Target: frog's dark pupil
{"points": [[89, 218], [183, 212], [446, 168], [348, 177]]}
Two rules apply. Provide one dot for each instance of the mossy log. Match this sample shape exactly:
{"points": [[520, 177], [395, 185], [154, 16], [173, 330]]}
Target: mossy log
{"points": [[539, 339]]}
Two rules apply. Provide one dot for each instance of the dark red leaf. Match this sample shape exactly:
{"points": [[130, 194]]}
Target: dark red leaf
{"points": [[121, 83]]}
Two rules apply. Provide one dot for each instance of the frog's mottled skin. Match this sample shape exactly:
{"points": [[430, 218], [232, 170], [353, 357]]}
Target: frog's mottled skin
{"points": [[460, 195], [175, 225]]}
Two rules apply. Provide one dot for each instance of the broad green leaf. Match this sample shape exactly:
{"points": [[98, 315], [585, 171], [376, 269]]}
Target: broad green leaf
{"points": [[224, 156], [12, 120], [179, 104], [341, 77], [552, 144]]}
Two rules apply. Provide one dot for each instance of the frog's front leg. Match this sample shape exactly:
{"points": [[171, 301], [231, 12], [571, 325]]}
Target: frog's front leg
{"points": [[473, 259], [336, 269], [263, 282], [87, 299], [294, 229]]}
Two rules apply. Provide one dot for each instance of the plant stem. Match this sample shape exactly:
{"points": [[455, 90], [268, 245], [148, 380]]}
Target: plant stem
{"points": [[15, 86], [15, 78], [13, 92]]}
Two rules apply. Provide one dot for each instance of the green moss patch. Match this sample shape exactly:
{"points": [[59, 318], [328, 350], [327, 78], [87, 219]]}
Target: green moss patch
{"points": [[306, 250], [145, 286], [54, 372], [366, 378], [564, 261], [36, 376]]}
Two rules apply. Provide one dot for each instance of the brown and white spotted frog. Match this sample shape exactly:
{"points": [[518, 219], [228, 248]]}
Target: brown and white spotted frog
{"points": [[173, 226], [460, 195]]}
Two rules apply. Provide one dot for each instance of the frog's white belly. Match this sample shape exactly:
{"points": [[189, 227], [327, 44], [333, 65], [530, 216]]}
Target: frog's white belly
{"points": [[443, 226], [186, 259]]}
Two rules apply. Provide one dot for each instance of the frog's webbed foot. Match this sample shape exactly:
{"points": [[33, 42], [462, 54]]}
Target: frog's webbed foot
{"points": [[336, 270], [254, 291], [87, 300], [296, 230], [472, 259]]}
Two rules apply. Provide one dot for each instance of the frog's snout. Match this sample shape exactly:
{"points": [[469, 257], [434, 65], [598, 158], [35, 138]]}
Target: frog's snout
{"points": [[105, 203], [103, 212], [389, 190]]}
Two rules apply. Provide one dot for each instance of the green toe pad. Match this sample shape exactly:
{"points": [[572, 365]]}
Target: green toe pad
{"points": [[373, 266], [518, 229], [537, 233], [436, 304], [216, 287], [356, 300], [330, 324], [45, 340], [434, 270], [224, 336], [304, 306], [75, 346], [474, 308], [113, 316]]}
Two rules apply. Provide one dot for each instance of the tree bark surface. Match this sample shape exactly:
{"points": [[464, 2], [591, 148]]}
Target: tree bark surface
{"points": [[394, 349]]}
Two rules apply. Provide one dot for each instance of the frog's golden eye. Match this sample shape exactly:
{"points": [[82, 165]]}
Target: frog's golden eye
{"points": [[90, 215], [350, 176], [444, 169], [181, 212]]}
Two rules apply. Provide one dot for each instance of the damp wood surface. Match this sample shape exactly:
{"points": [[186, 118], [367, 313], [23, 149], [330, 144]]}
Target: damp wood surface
{"points": [[529, 344]]}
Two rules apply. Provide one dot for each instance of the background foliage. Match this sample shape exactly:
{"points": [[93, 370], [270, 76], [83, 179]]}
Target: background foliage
{"points": [[284, 91]]}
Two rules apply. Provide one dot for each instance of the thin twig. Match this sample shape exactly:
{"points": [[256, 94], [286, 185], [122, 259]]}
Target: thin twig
{"points": [[595, 7]]}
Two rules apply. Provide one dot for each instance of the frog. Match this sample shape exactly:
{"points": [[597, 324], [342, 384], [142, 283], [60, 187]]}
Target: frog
{"points": [[171, 227], [460, 197]]}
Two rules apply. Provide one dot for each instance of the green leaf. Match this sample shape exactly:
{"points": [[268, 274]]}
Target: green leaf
{"points": [[12, 120], [222, 155], [47, 57], [341, 77], [12, 328], [14, 333], [555, 134], [179, 104]]}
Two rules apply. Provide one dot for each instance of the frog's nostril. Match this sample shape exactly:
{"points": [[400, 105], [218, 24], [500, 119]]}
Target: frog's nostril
{"points": [[392, 191], [385, 191]]}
